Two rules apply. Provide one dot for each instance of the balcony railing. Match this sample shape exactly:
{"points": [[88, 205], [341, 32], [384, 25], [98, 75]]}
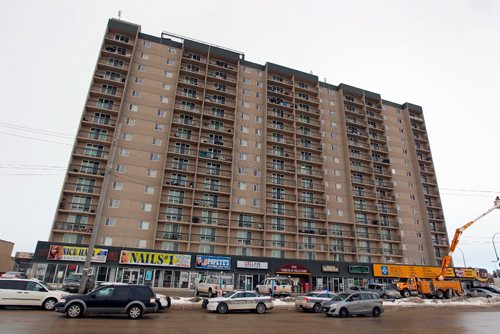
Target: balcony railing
{"points": [[73, 227]]}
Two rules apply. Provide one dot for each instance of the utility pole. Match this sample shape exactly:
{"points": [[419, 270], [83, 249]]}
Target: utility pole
{"points": [[98, 214]]}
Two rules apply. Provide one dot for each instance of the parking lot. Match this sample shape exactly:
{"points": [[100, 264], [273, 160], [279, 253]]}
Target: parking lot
{"points": [[464, 319]]}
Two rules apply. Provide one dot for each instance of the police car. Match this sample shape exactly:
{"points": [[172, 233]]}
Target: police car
{"points": [[239, 300]]}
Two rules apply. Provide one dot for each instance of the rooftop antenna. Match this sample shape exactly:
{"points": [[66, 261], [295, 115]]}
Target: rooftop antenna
{"points": [[120, 14]]}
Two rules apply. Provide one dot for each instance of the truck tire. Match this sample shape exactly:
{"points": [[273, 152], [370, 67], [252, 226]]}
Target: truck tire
{"points": [[439, 294], [448, 294], [406, 293]]}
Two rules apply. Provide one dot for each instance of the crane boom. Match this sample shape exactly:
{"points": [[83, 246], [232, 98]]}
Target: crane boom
{"points": [[445, 264]]}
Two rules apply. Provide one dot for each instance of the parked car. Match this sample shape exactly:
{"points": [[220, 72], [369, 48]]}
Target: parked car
{"points": [[358, 303], [312, 301], [275, 286], [384, 291], [163, 302], [131, 299], [480, 292], [239, 300], [14, 274], [492, 288], [28, 292], [72, 283]]}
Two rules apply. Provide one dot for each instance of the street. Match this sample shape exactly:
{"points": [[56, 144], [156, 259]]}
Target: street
{"points": [[279, 320]]}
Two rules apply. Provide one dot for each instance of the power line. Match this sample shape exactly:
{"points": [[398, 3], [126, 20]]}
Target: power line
{"points": [[39, 139], [471, 190], [36, 130]]}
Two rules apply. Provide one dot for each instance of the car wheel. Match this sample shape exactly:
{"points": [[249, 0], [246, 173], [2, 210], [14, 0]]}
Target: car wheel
{"points": [[210, 293], [49, 304], [222, 308], [316, 308], [134, 312], [74, 311], [343, 313], [261, 308], [440, 294], [406, 293], [204, 303], [376, 312], [169, 302]]}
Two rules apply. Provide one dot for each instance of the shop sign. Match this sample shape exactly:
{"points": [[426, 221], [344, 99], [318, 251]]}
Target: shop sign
{"points": [[213, 262], [394, 270], [251, 265], [71, 253], [329, 269], [469, 273], [155, 259], [293, 269], [359, 269]]}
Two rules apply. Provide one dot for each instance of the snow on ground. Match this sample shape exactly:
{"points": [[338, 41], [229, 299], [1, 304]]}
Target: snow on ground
{"points": [[289, 302]]}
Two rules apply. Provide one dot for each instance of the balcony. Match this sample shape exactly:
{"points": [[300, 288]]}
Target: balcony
{"points": [[223, 142], [86, 170], [312, 215], [96, 105], [215, 156], [281, 244], [173, 199], [365, 207], [193, 70], [106, 122], [279, 79], [207, 203], [95, 136], [278, 113], [353, 100], [369, 236], [208, 238], [281, 196], [182, 151], [73, 227], [247, 225], [246, 242], [281, 167], [91, 153], [223, 65], [215, 171], [315, 231], [101, 77], [82, 188], [278, 211], [172, 236], [120, 52], [76, 206], [195, 58], [281, 153], [224, 77]]}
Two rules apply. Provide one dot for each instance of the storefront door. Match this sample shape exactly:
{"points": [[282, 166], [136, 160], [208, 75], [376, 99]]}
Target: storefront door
{"points": [[249, 282], [130, 276]]}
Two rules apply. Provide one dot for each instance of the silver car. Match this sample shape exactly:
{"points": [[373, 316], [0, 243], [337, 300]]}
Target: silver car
{"points": [[479, 292], [357, 303], [312, 301]]}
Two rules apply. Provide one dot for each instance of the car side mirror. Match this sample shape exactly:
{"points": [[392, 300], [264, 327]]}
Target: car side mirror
{"points": [[93, 295]]}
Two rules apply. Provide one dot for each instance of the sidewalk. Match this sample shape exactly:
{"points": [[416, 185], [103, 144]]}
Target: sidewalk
{"points": [[173, 292]]}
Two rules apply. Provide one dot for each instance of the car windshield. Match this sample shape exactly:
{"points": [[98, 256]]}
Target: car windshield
{"points": [[231, 294], [341, 297], [312, 294], [73, 277], [494, 288]]}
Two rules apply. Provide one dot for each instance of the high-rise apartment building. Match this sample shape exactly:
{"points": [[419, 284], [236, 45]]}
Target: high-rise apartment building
{"points": [[212, 154]]}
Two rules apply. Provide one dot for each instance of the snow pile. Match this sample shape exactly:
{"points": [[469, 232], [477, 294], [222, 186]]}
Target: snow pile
{"points": [[460, 301], [289, 302]]}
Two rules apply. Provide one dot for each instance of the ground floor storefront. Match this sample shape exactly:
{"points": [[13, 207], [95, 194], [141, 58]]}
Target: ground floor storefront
{"points": [[54, 261]]}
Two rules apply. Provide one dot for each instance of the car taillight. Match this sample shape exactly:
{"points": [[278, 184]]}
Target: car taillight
{"points": [[275, 288], [152, 300], [306, 299]]}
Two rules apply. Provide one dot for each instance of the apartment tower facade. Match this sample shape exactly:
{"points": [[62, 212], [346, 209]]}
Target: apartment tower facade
{"points": [[184, 146]]}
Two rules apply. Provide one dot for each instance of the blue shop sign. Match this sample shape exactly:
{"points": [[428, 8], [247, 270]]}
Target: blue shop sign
{"points": [[213, 262]]}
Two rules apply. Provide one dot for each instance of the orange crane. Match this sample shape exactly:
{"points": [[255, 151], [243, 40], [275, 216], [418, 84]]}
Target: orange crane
{"points": [[458, 232]]}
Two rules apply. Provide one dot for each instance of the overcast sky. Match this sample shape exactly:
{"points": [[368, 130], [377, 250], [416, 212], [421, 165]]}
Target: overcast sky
{"points": [[442, 55]]}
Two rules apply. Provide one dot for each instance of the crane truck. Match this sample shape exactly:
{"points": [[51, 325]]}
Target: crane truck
{"points": [[439, 287]]}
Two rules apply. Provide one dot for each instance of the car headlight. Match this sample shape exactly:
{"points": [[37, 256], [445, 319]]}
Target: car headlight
{"points": [[62, 300]]}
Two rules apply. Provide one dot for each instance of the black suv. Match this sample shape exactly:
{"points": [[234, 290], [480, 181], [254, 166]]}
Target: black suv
{"points": [[131, 299]]}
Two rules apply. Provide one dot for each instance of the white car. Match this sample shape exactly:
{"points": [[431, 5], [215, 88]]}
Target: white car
{"points": [[28, 292], [239, 300], [162, 301], [312, 301]]}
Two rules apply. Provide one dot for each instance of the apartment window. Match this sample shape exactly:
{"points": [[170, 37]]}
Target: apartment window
{"points": [[256, 203], [154, 156], [242, 185], [159, 127], [275, 253], [258, 132], [127, 136], [140, 243], [117, 185], [146, 44], [419, 235], [246, 80], [143, 225], [151, 172], [107, 241], [161, 113], [149, 190], [110, 222], [172, 50], [242, 170], [139, 81], [121, 168], [130, 121], [146, 207], [163, 99], [256, 187], [206, 249], [244, 129], [166, 86], [245, 92], [157, 141], [340, 213], [258, 144], [141, 68], [133, 107], [241, 201], [244, 116], [170, 62], [243, 156], [243, 142], [144, 55], [114, 203], [257, 172]]}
